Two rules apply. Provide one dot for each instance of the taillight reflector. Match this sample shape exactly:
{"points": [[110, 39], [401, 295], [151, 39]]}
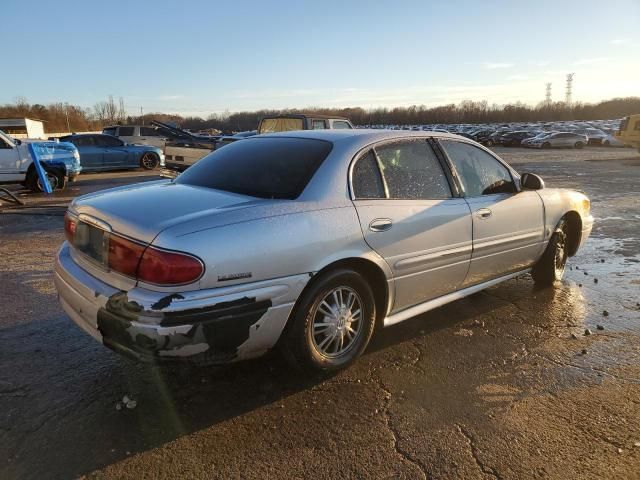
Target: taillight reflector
{"points": [[124, 255], [70, 224], [168, 268]]}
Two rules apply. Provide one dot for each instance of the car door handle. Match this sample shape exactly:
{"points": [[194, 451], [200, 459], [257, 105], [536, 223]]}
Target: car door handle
{"points": [[483, 213], [380, 224]]}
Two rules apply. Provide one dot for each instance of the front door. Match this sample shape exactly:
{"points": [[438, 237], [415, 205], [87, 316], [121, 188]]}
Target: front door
{"points": [[114, 152], [9, 161], [508, 225], [410, 218]]}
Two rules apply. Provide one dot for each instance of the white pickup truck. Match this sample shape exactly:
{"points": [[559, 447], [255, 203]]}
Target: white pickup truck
{"points": [[60, 160]]}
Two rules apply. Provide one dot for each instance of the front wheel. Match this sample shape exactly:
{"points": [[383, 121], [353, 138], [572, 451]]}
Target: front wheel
{"points": [[149, 161], [332, 324], [56, 180], [489, 143], [546, 145], [579, 145], [550, 268]]}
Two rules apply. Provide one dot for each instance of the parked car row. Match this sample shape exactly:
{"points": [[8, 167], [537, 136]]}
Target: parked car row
{"points": [[575, 134]]}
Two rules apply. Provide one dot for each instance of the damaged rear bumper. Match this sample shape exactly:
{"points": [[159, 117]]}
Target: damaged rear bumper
{"points": [[218, 325]]}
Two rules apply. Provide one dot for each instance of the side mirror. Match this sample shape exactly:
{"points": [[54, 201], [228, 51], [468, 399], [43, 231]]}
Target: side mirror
{"points": [[531, 181], [17, 141]]}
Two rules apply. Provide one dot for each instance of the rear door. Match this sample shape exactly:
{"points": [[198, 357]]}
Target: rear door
{"points": [[410, 217], [114, 152], [91, 157], [9, 161], [508, 225]]}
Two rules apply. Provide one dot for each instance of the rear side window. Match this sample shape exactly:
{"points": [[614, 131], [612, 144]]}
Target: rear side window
{"points": [[107, 141], [366, 178], [109, 131], [412, 171], [339, 124], [318, 125], [125, 132], [260, 167], [80, 141], [149, 132], [479, 172]]}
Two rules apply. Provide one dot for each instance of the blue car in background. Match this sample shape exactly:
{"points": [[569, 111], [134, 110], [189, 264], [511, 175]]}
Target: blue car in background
{"points": [[105, 152]]}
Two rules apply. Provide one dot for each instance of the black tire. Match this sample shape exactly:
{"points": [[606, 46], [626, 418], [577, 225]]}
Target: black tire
{"points": [[578, 145], [546, 145], [489, 143], [550, 268], [606, 143], [57, 180], [149, 161], [302, 347]]}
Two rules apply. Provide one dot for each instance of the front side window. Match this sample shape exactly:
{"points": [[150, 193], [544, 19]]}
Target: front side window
{"points": [[412, 171], [264, 167], [341, 125], [479, 172], [366, 178], [80, 141]]}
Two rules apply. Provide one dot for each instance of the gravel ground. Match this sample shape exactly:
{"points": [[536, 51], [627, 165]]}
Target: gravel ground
{"points": [[492, 386]]}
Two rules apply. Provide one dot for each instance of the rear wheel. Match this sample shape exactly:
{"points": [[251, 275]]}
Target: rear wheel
{"points": [[149, 161], [489, 143], [550, 268], [578, 145], [546, 145], [332, 324]]}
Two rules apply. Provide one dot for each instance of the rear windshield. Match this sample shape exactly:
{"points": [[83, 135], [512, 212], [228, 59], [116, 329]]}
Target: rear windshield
{"points": [[273, 125], [260, 167]]}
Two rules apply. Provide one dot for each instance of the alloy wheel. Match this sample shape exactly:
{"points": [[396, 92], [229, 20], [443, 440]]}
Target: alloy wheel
{"points": [[337, 322]]}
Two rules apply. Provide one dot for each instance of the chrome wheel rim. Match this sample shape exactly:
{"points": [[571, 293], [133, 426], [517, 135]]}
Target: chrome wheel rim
{"points": [[560, 259], [337, 322], [148, 160], [53, 181]]}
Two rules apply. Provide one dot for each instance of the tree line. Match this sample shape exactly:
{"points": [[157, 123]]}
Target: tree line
{"points": [[62, 117]]}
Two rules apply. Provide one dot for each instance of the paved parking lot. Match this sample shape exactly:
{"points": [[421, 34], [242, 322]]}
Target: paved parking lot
{"points": [[492, 386]]}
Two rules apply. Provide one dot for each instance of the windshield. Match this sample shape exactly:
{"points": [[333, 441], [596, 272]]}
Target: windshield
{"points": [[281, 124], [260, 167]]}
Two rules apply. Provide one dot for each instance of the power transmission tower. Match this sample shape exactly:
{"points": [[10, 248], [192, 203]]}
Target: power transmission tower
{"points": [[547, 96], [569, 88]]}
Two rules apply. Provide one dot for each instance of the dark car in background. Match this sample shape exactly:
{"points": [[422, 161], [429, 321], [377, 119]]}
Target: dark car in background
{"points": [[105, 152], [513, 139]]}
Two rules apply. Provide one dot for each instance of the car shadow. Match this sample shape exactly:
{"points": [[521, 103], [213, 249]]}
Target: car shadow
{"points": [[69, 389]]}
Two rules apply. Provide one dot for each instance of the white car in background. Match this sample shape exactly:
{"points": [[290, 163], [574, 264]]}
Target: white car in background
{"points": [[137, 134], [559, 140]]}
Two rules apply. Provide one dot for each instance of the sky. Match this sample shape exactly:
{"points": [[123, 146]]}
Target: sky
{"points": [[196, 57]]}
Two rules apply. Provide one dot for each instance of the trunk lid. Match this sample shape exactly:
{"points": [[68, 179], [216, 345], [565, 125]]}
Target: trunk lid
{"points": [[142, 211]]}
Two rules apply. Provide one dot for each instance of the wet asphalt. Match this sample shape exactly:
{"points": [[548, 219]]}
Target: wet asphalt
{"points": [[503, 384]]}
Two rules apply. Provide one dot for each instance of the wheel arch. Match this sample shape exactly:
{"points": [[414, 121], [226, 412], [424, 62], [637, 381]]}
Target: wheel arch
{"points": [[370, 271], [574, 231]]}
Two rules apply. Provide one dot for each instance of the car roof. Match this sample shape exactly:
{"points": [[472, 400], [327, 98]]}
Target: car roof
{"points": [[356, 136], [305, 115]]}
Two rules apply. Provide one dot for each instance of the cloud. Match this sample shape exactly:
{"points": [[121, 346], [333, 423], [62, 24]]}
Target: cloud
{"points": [[542, 64], [170, 97], [590, 61], [620, 41], [517, 77], [497, 65]]}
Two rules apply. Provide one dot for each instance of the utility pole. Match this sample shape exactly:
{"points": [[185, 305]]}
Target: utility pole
{"points": [[66, 113], [141, 115], [547, 96], [569, 88]]}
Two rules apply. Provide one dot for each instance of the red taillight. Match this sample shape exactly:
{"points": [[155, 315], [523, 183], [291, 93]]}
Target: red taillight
{"points": [[70, 224], [168, 268], [124, 255]]}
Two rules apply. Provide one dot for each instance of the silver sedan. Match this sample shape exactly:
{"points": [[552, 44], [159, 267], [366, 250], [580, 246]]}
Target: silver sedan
{"points": [[308, 240]]}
